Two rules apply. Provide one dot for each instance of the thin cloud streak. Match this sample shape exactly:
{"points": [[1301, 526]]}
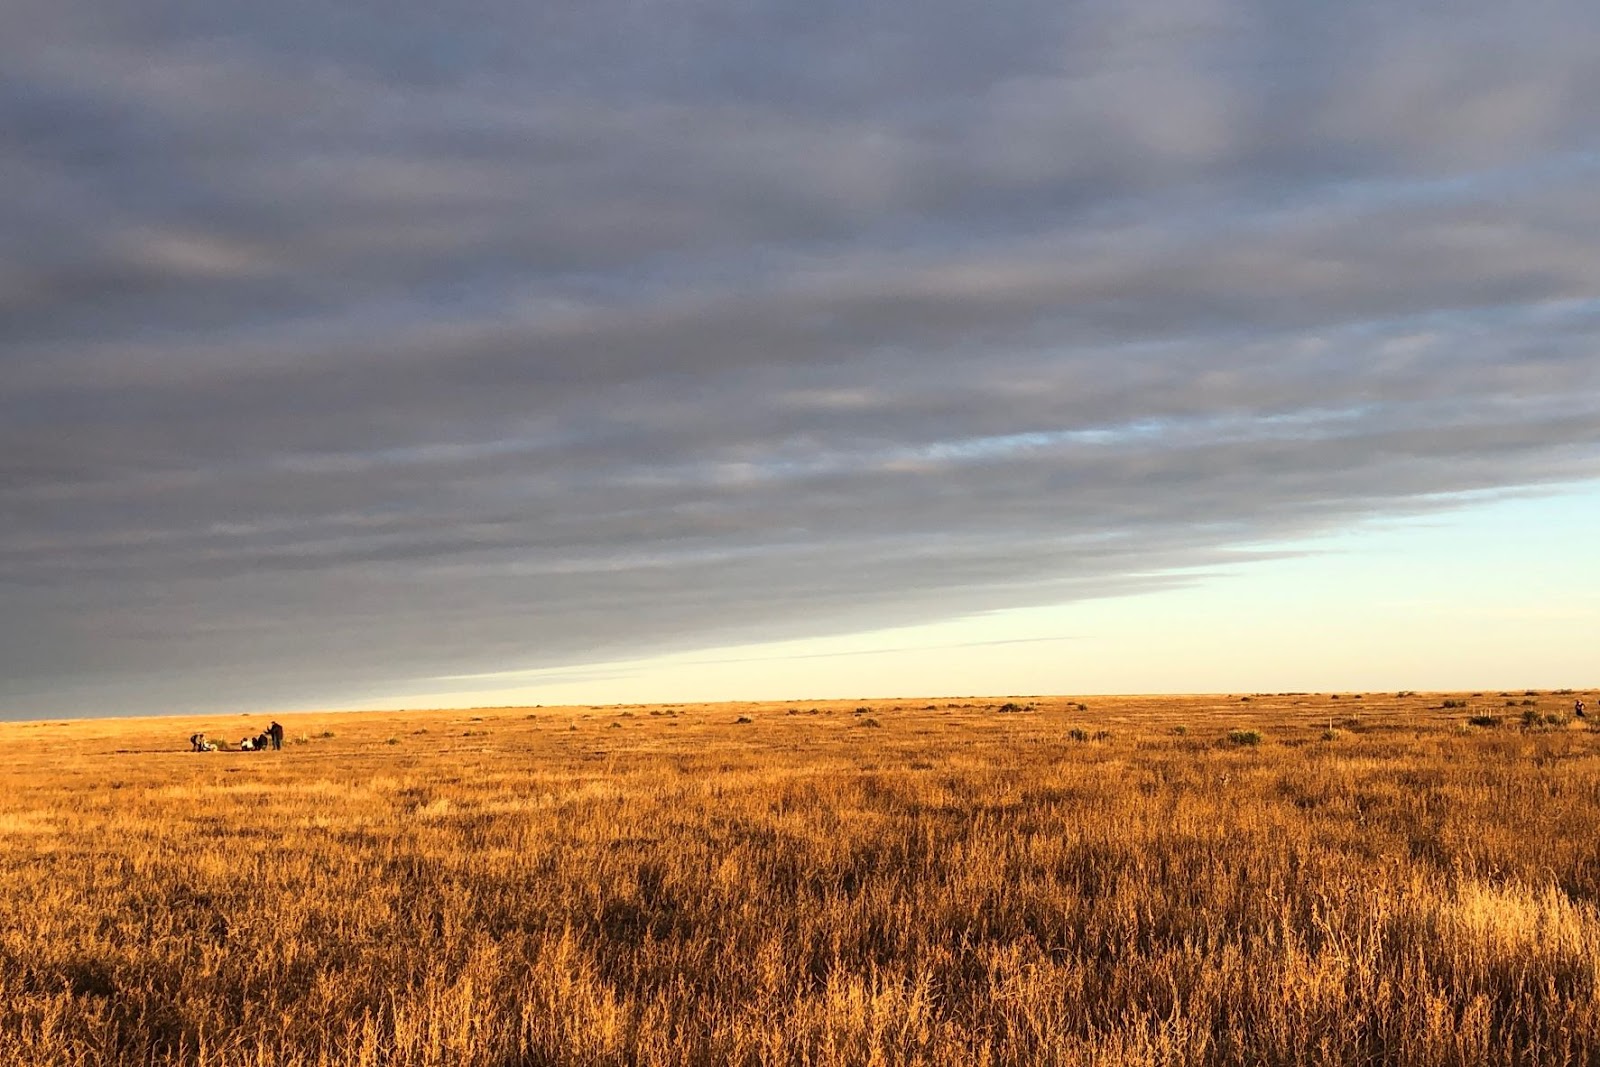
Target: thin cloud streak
{"points": [[566, 674]]}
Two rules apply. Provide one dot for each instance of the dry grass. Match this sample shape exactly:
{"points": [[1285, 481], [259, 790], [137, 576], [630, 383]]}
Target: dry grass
{"points": [[672, 886]]}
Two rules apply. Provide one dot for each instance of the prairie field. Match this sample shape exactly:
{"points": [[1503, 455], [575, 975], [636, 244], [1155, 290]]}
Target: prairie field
{"points": [[1347, 878]]}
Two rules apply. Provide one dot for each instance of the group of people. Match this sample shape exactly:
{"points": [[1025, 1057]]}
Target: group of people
{"points": [[271, 737]]}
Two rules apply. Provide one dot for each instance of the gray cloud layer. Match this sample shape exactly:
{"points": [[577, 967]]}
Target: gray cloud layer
{"points": [[346, 344]]}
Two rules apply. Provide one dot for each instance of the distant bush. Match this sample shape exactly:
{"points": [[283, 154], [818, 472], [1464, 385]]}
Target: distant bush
{"points": [[1330, 734], [1454, 704], [1244, 737], [1077, 733], [1180, 730], [1102, 735], [1488, 721], [742, 720], [870, 721]]}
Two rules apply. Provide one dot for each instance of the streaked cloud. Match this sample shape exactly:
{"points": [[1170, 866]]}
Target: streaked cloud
{"points": [[349, 344]]}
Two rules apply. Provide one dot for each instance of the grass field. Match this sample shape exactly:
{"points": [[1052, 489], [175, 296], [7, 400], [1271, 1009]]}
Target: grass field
{"points": [[1288, 879]]}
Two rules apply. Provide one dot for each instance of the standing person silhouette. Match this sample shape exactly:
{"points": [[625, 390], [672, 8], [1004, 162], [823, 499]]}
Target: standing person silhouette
{"points": [[276, 732], [1577, 707]]}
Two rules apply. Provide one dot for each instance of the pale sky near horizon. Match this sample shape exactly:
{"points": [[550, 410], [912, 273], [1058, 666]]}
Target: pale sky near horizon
{"points": [[390, 355], [1498, 594]]}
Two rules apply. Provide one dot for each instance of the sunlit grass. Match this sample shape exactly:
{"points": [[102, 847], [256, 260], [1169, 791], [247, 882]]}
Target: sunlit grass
{"points": [[960, 885]]}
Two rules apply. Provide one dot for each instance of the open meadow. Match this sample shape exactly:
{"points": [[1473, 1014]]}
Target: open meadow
{"points": [[1234, 879]]}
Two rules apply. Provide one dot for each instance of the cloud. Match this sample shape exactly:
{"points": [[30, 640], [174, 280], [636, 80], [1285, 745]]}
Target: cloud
{"points": [[345, 345]]}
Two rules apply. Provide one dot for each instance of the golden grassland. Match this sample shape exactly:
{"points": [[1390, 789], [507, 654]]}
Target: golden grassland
{"points": [[954, 881]]}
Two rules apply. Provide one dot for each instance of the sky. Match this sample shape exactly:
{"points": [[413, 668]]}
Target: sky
{"points": [[394, 355]]}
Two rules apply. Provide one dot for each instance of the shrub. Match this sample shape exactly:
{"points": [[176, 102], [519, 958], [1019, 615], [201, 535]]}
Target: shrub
{"points": [[1077, 733], [742, 720], [1180, 730], [1487, 721], [870, 721], [1330, 734], [1102, 735], [1244, 737], [1454, 704]]}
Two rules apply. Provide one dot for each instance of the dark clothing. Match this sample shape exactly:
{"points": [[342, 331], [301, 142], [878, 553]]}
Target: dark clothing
{"points": [[276, 733]]}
